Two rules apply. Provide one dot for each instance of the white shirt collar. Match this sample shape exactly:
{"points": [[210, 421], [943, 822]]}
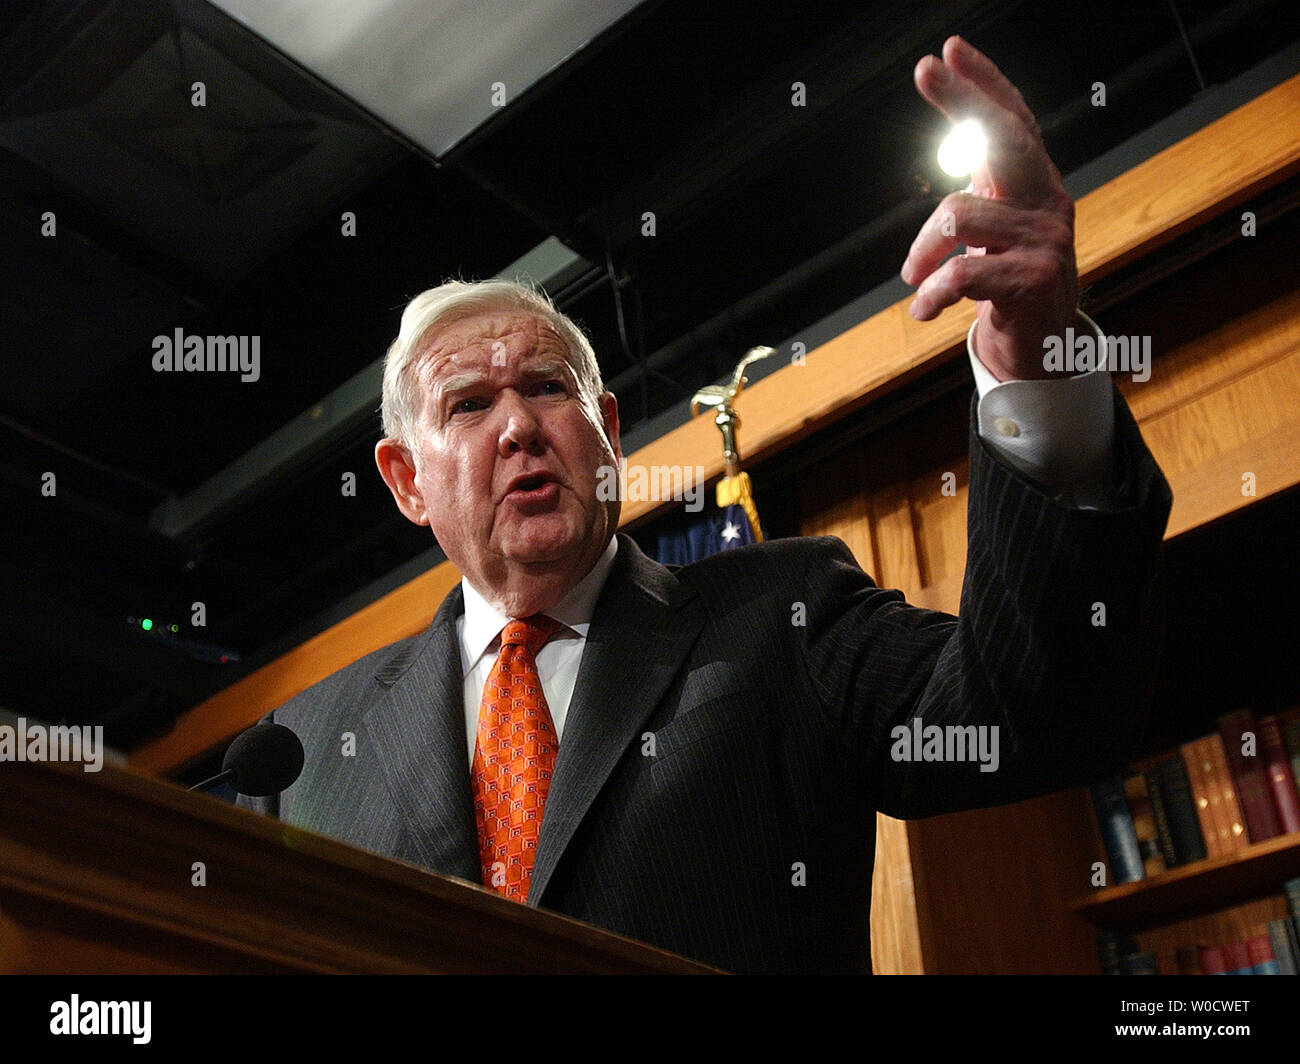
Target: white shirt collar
{"points": [[483, 622]]}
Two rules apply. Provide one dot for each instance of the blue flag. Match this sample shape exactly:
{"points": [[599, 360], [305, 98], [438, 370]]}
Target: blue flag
{"points": [[696, 536]]}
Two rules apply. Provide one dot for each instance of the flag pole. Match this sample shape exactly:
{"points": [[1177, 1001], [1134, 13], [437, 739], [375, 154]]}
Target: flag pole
{"points": [[734, 487]]}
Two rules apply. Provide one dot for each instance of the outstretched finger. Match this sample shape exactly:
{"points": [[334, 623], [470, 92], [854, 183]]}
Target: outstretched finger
{"points": [[977, 222], [1016, 161], [970, 62]]}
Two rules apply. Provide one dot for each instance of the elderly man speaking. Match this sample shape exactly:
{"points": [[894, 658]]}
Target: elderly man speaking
{"points": [[666, 752]]}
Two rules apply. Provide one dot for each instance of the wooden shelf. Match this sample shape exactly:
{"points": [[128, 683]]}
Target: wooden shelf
{"points": [[1195, 889]]}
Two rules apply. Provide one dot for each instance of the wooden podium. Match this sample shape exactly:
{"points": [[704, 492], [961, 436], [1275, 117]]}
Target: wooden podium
{"points": [[98, 874]]}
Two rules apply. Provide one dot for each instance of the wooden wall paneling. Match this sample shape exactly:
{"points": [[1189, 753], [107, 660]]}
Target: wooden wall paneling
{"points": [[1253, 367], [895, 534], [1215, 489], [909, 461], [1231, 417], [1215, 168], [993, 887], [940, 523], [1225, 404], [833, 502], [1235, 348], [895, 927]]}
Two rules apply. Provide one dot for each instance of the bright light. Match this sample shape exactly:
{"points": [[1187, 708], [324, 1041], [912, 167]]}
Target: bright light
{"points": [[963, 149]]}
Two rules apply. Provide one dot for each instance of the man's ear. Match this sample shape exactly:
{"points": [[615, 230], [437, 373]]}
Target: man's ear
{"points": [[609, 415], [398, 471]]}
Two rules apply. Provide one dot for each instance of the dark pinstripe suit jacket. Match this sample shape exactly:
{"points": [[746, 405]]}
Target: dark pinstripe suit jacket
{"points": [[771, 743]]}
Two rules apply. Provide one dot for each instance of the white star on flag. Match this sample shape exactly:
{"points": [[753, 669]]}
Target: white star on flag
{"points": [[730, 532]]}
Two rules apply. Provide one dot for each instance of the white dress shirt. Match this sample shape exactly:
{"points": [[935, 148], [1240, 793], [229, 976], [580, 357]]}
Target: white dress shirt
{"points": [[1059, 433], [479, 630]]}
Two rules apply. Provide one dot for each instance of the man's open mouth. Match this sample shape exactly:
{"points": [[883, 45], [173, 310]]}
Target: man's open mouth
{"points": [[533, 487]]}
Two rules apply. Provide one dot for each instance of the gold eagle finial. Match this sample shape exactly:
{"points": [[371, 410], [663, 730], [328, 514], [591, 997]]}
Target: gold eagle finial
{"points": [[722, 397]]}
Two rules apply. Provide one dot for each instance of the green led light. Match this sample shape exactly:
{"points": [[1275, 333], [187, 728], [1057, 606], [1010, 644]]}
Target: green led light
{"points": [[146, 624], [175, 627]]}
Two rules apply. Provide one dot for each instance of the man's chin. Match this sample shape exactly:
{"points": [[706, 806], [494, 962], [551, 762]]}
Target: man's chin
{"points": [[544, 541]]}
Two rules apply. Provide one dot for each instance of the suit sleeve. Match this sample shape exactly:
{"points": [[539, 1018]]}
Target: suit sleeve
{"points": [[1056, 643]]}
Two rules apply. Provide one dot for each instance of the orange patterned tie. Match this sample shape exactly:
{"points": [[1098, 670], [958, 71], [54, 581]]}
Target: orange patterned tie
{"points": [[513, 758]]}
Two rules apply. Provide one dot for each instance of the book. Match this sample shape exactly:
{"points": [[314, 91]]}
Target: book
{"points": [[1291, 738], [1112, 948], [1259, 950], [1188, 959], [1240, 733], [1197, 774], [1161, 816], [1230, 815], [1282, 935], [1117, 832], [1236, 958], [1169, 787], [1143, 963], [1213, 961], [1223, 800], [1277, 769], [1291, 888], [1144, 825]]}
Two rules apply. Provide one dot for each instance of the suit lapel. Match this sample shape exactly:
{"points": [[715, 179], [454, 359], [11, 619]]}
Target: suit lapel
{"points": [[644, 624], [419, 732]]}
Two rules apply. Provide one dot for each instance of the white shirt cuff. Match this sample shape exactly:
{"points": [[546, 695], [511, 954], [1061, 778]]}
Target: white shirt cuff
{"points": [[1060, 433]]}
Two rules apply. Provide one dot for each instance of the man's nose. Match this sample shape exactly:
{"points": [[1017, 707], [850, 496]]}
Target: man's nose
{"points": [[520, 429]]}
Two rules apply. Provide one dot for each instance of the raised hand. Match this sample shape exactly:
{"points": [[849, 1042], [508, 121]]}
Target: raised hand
{"points": [[1017, 223]]}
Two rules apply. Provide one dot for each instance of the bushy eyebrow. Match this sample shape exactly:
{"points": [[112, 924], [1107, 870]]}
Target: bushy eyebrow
{"points": [[462, 382]]}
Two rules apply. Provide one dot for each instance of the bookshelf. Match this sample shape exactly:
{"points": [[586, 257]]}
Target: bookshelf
{"points": [[1195, 889], [1233, 583]]}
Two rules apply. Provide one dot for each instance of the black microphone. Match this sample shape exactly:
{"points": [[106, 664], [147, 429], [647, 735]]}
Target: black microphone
{"points": [[261, 761]]}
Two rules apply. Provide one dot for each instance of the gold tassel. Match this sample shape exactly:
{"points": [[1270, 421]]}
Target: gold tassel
{"points": [[739, 490]]}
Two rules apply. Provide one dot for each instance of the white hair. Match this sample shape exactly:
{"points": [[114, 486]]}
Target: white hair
{"points": [[454, 301]]}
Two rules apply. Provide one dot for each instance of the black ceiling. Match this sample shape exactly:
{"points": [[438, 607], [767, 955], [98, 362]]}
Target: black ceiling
{"points": [[225, 220]]}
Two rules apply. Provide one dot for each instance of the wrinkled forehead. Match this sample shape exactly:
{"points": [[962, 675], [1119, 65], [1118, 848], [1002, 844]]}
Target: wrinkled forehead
{"points": [[487, 340]]}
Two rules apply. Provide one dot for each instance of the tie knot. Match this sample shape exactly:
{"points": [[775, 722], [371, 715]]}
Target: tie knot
{"points": [[531, 632]]}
